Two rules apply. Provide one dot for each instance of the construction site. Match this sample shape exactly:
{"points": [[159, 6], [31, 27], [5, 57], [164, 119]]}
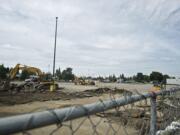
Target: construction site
{"points": [[89, 68], [36, 95]]}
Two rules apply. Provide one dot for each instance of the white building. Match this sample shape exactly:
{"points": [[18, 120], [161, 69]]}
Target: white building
{"points": [[173, 81]]}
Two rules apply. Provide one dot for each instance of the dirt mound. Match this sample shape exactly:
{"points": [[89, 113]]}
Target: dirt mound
{"points": [[107, 90], [29, 96]]}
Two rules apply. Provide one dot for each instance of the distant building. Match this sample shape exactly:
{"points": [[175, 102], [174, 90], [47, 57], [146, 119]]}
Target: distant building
{"points": [[173, 81]]}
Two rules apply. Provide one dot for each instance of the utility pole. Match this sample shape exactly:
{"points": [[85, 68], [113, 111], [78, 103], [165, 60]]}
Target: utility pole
{"points": [[54, 61], [53, 87]]}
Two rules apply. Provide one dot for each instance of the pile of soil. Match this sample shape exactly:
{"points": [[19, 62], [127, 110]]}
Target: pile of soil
{"points": [[26, 97], [100, 91]]}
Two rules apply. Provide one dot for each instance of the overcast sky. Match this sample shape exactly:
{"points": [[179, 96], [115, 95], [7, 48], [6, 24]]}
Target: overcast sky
{"points": [[95, 37]]}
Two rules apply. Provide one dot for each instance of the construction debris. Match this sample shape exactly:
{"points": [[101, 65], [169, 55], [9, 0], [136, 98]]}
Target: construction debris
{"points": [[22, 95]]}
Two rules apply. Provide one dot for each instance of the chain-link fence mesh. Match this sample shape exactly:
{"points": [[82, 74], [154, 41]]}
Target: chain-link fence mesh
{"points": [[132, 118]]}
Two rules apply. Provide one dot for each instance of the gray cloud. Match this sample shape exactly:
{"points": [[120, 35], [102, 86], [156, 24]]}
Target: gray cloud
{"points": [[94, 37]]}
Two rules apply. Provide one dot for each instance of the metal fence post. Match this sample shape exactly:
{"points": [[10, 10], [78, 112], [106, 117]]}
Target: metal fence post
{"points": [[153, 120]]}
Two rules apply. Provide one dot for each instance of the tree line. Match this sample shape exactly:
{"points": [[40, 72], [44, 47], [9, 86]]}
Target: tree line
{"points": [[67, 75], [139, 77]]}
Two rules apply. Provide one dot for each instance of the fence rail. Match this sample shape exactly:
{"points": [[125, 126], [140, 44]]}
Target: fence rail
{"points": [[21, 123]]}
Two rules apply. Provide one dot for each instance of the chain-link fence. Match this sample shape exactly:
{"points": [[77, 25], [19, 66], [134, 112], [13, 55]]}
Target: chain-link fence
{"points": [[130, 114]]}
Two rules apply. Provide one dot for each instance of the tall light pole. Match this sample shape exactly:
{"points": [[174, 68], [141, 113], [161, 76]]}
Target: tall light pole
{"points": [[54, 60]]}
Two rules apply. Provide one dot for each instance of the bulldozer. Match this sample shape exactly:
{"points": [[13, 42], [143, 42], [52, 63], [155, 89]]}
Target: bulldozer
{"points": [[37, 82], [81, 81]]}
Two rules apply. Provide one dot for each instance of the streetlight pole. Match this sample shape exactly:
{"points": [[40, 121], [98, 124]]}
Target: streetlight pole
{"points": [[54, 61]]}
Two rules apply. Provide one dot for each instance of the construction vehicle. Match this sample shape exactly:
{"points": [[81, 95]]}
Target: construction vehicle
{"points": [[156, 86], [81, 81], [36, 82], [159, 85], [29, 69]]}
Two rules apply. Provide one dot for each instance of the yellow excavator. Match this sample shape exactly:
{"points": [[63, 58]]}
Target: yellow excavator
{"points": [[81, 81], [38, 83], [29, 69]]}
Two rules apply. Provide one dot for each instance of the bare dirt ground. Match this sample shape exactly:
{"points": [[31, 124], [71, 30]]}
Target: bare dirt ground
{"points": [[70, 87], [68, 95]]}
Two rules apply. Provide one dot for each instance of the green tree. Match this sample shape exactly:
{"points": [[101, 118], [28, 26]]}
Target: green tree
{"points": [[67, 74], [3, 72], [156, 76], [122, 77], [112, 78], [146, 78], [47, 77], [139, 77], [58, 73], [100, 78], [165, 77], [25, 74]]}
